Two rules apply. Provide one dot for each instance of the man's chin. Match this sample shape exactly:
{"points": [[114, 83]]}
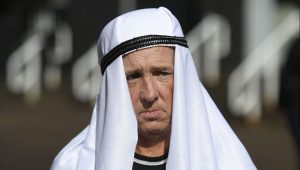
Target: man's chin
{"points": [[153, 131]]}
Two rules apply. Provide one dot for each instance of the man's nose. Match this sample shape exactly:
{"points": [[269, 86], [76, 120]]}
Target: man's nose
{"points": [[149, 91]]}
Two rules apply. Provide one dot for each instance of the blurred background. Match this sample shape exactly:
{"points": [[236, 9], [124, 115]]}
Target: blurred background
{"points": [[246, 53]]}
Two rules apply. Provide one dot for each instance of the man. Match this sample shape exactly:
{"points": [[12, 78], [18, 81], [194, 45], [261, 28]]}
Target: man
{"points": [[152, 112]]}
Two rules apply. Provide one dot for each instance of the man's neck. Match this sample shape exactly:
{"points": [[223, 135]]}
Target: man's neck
{"points": [[153, 147]]}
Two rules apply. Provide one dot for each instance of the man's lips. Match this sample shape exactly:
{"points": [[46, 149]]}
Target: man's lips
{"points": [[151, 114]]}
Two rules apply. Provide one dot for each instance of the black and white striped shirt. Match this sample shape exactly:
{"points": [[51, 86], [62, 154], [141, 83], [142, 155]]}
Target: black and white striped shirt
{"points": [[142, 162]]}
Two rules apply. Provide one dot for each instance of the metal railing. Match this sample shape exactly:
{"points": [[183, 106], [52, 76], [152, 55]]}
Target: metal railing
{"points": [[258, 74], [86, 76], [209, 42], [24, 66]]}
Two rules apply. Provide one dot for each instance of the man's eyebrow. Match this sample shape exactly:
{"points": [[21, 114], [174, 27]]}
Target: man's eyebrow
{"points": [[132, 71]]}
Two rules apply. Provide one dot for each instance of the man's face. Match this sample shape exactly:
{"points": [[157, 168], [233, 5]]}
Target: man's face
{"points": [[149, 74]]}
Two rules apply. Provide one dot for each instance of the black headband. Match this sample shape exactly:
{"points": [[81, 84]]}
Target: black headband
{"points": [[139, 42]]}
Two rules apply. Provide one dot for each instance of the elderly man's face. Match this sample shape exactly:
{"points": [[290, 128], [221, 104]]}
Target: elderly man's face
{"points": [[149, 74]]}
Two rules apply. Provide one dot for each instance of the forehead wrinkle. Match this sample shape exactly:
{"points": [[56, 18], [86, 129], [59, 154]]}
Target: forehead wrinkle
{"points": [[139, 57], [136, 60], [152, 55]]}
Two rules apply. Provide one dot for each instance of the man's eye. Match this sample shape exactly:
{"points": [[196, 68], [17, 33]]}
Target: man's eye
{"points": [[133, 76], [162, 73]]}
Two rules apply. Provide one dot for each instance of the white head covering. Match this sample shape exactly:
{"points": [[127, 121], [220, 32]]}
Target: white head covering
{"points": [[200, 137]]}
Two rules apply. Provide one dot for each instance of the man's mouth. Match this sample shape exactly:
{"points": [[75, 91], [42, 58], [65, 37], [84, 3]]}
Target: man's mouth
{"points": [[151, 114]]}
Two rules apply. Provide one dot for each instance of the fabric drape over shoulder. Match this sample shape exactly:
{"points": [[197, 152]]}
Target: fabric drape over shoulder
{"points": [[201, 139]]}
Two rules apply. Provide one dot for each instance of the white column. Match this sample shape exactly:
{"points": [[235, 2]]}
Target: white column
{"points": [[259, 19]]}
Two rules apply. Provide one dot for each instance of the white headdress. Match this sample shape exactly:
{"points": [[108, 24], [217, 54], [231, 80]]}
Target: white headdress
{"points": [[200, 137]]}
